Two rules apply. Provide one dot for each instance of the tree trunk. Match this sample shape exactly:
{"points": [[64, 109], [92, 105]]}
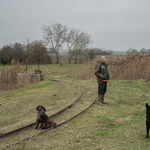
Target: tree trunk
{"points": [[57, 58], [26, 67], [70, 60], [75, 61]]}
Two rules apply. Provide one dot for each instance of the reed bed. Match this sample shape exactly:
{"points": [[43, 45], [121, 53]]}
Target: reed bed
{"points": [[133, 66]]}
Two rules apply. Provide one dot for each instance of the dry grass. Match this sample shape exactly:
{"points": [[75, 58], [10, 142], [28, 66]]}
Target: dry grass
{"points": [[120, 125], [129, 67], [8, 77], [85, 71]]}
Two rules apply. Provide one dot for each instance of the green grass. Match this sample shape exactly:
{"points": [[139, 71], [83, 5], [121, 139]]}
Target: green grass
{"points": [[21, 103], [119, 125]]}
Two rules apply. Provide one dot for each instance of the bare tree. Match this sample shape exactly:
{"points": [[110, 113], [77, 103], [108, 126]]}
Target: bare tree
{"points": [[131, 50], [70, 40], [77, 43], [55, 36], [148, 50], [39, 51], [28, 57]]}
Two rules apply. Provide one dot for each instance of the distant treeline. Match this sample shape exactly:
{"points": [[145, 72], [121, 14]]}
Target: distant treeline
{"points": [[133, 50], [57, 38], [37, 52], [32, 52]]}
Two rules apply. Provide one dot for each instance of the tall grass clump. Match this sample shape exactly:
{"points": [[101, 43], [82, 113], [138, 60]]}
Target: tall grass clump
{"points": [[8, 76], [132, 66]]}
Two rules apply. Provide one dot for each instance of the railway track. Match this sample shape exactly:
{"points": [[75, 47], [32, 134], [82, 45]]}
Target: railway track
{"points": [[32, 124], [28, 128]]}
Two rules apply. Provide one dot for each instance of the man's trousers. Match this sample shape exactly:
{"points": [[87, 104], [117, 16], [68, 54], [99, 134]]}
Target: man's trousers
{"points": [[102, 88]]}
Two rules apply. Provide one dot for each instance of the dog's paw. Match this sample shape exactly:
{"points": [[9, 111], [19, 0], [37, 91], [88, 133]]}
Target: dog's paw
{"points": [[54, 124]]}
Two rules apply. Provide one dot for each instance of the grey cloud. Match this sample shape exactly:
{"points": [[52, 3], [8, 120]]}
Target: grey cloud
{"points": [[113, 24]]}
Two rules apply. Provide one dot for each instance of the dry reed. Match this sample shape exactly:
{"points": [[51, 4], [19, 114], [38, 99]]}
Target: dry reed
{"points": [[8, 76], [133, 66]]}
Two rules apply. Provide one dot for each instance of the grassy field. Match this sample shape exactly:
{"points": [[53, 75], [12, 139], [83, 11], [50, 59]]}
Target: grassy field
{"points": [[120, 125]]}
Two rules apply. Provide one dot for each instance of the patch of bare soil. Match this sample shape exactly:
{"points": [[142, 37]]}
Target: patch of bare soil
{"points": [[142, 96], [120, 120], [86, 102]]}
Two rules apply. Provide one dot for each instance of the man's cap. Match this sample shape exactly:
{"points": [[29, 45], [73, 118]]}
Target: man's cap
{"points": [[103, 58]]}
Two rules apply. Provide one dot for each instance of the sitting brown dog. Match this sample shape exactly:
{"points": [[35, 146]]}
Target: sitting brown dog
{"points": [[43, 119]]}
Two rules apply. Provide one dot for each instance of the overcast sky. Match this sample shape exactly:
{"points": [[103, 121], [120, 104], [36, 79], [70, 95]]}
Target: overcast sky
{"points": [[112, 24]]}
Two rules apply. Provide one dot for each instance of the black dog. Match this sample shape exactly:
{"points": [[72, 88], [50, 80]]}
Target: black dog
{"points": [[147, 119], [43, 119]]}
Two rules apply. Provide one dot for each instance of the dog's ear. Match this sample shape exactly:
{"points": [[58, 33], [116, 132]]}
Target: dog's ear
{"points": [[147, 105], [37, 107], [43, 108]]}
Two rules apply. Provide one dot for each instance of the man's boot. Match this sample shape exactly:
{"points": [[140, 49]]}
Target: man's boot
{"points": [[100, 99], [103, 100]]}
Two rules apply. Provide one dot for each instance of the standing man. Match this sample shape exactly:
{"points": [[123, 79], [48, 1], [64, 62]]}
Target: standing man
{"points": [[102, 75]]}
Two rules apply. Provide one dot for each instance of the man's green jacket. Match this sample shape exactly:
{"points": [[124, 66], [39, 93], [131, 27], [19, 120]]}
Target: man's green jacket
{"points": [[101, 72]]}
